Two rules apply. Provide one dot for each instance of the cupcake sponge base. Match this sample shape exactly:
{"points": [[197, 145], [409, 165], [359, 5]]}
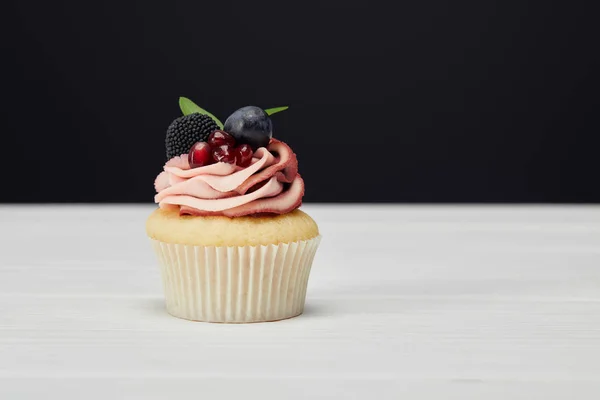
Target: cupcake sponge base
{"points": [[167, 226], [234, 270]]}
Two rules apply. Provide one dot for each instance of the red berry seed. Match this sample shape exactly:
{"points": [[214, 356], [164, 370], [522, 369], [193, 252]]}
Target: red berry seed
{"points": [[200, 155], [224, 154], [244, 155], [220, 138]]}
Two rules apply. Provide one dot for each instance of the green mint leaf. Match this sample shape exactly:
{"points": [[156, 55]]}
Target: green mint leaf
{"points": [[271, 111], [189, 107]]}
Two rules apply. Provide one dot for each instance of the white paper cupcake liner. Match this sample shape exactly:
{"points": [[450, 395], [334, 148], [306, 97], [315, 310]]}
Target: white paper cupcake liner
{"points": [[236, 284]]}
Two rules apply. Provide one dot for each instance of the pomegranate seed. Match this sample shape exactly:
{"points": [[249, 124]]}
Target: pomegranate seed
{"points": [[244, 155], [200, 155], [220, 138], [224, 154]]}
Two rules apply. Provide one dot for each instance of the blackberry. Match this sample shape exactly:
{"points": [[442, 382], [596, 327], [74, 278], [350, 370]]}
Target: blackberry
{"points": [[187, 130]]}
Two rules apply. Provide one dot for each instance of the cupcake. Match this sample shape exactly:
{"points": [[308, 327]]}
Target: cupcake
{"points": [[232, 244]]}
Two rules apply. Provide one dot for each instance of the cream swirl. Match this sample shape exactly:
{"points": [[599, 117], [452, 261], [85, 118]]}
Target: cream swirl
{"points": [[270, 184]]}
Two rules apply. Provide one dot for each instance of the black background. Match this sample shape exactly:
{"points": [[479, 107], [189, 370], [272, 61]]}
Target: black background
{"points": [[417, 101]]}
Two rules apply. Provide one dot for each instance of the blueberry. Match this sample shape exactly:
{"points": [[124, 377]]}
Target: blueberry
{"points": [[250, 125]]}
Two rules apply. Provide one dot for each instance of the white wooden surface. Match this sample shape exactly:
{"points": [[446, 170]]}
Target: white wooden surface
{"points": [[403, 302]]}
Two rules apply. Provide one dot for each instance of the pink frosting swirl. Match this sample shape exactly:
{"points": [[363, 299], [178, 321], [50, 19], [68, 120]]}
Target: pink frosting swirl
{"points": [[270, 184]]}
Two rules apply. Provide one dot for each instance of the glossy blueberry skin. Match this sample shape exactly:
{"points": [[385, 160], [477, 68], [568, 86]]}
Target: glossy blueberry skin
{"points": [[250, 125]]}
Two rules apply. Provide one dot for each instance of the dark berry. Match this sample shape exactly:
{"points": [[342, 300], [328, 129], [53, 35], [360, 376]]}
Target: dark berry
{"points": [[200, 155], [187, 130], [250, 125], [220, 138], [224, 154], [244, 155]]}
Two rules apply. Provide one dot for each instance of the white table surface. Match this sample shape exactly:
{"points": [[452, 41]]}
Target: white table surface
{"points": [[412, 302]]}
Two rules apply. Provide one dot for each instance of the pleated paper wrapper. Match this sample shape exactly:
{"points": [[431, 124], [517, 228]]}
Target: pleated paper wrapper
{"points": [[236, 284]]}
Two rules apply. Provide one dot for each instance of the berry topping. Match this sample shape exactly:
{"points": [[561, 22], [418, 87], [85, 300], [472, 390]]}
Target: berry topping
{"points": [[243, 154], [200, 155], [224, 154], [250, 125], [187, 130], [220, 138]]}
